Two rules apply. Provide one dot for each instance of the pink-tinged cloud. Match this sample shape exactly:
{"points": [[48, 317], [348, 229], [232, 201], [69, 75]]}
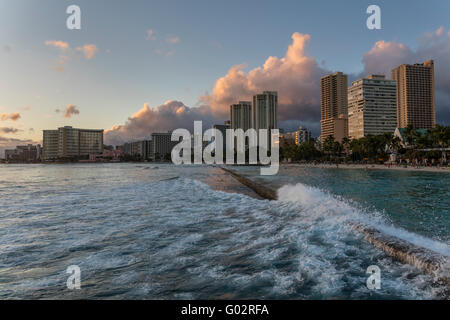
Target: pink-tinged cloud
{"points": [[296, 77], [173, 40], [10, 116], [169, 116], [61, 45], [70, 111], [88, 50], [385, 56]]}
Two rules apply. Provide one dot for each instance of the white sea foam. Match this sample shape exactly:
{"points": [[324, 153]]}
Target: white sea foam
{"points": [[322, 204]]}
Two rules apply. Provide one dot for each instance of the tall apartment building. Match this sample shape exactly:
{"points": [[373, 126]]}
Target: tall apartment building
{"points": [[415, 95], [372, 106], [161, 146], [265, 109], [68, 142], [333, 109], [241, 115]]}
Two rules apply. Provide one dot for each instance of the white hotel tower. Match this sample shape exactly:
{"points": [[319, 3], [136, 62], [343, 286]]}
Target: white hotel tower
{"points": [[372, 106]]}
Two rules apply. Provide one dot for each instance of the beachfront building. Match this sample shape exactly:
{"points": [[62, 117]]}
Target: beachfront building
{"points": [[372, 107], [265, 109], [139, 150], [415, 95], [161, 146], [334, 106], [28, 153], [241, 115], [71, 143], [223, 129]]}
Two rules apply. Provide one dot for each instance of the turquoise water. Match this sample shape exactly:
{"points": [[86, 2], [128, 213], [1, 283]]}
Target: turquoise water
{"points": [[416, 201], [146, 231]]}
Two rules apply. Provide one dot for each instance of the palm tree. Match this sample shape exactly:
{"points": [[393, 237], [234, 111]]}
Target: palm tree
{"points": [[345, 145], [410, 135], [328, 144]]}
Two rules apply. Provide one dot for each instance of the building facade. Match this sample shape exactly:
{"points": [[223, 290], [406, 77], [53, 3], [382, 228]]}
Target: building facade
{"points": [[415, 95], [265, 110], [334, 106], [241, 115], [68, 142], [161, 146], [50, 144], [28, 153], [372, 106], [302, 135]]}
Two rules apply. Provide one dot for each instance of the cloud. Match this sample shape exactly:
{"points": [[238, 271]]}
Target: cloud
{"points": [[168, 116], [61, 45], [151, 34], [67, 54], [296, 77], [173, 40], [10, 116], [9, 130], [7, 48], [71, 110], [385, 56], [89, 50]]}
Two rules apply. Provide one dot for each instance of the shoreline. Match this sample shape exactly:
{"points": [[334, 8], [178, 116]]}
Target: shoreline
{"points": [[368, 167]]}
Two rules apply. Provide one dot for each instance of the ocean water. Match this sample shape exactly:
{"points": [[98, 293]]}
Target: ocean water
{"points": [[151, 231]]}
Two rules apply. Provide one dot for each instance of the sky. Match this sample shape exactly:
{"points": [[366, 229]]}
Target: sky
{"points": [[142, 66]]}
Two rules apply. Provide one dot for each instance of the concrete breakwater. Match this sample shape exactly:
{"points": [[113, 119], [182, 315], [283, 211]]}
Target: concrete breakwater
{"points": [[423, 259]]}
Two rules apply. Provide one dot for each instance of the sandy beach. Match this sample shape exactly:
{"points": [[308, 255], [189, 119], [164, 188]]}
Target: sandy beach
{"points": [[369, 167]]}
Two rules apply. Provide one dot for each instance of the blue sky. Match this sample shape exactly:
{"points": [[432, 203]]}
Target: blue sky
{"points": [[129, 69]]}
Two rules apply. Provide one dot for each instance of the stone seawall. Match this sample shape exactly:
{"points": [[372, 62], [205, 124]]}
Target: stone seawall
{"points": [[423, 259]]}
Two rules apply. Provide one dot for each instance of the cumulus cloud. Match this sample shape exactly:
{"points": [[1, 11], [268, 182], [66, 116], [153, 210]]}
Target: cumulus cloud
{"points": [[168, 116], [9, 130], [296, 77], [88, 50], [10, 116], [385, 56]]}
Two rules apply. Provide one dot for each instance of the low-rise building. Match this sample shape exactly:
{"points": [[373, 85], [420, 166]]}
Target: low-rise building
{"points": [[28, 153]]}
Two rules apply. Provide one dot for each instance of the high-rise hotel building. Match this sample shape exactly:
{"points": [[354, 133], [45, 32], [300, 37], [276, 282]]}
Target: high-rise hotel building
{"points": [[241, 115], [68, 142], [372, 107], [415, 95], [333, 109], [265, 108]]}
